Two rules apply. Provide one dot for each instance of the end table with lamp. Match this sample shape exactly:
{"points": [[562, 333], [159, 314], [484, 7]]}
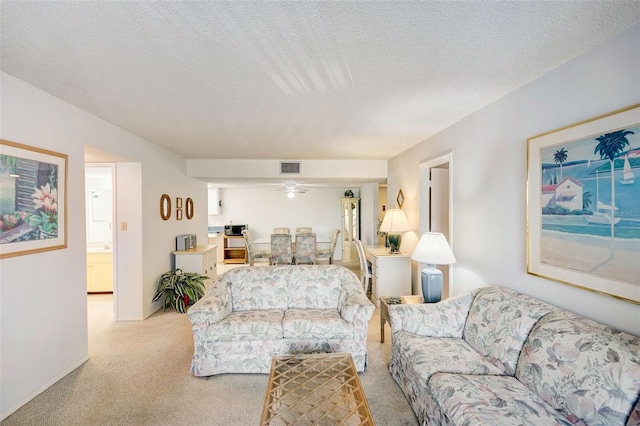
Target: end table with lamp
{"points": [[433, 250]]}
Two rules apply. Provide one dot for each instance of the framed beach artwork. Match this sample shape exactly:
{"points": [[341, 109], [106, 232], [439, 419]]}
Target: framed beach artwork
{"points": [[583, 205], [33, 200]]}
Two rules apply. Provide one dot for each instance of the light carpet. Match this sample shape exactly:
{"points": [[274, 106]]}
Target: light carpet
{"points": [[138, 374]]}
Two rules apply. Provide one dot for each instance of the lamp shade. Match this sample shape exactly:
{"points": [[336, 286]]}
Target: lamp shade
{"points": [[433, 249], [394, 221]]}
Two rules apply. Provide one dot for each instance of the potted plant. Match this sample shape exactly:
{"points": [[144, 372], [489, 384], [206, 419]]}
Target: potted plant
{"points": [[180, 289]]}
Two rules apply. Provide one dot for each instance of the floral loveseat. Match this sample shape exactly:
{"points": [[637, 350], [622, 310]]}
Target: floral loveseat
{"points": [[251, 314], [495, 357]]}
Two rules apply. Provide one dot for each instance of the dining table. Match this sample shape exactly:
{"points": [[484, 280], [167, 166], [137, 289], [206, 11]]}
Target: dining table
{"points": [[267, 241]]}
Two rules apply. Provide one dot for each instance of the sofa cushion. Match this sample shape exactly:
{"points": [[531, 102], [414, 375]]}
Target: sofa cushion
{"points": [[263, 324], [258, 288], [499, 322], [314, 288], [489, 400], [315, 324], [587, 373], [427, 356]]}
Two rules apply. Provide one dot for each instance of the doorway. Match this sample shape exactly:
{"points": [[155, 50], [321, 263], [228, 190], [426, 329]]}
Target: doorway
{"points": [[100, 237], [436, 183]]}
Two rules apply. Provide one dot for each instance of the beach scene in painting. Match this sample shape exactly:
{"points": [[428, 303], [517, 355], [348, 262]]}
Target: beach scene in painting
{"points": [[28, 200], [590, 198]]}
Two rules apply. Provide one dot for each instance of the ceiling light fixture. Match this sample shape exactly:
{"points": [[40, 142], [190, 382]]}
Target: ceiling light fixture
{"points": [[291, 194]]}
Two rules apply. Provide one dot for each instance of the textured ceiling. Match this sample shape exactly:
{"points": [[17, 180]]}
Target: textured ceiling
{"points": [[294, 80]]}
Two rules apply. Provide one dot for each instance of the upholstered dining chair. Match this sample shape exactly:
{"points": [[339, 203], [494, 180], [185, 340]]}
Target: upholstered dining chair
{"points": [[253, 253], [305, 249], [328, 252], [365, 272], [304, 230], [281, 231], [281, 249]]}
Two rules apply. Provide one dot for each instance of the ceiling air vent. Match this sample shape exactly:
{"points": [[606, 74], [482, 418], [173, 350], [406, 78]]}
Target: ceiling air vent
{"points": [[290, 167]]}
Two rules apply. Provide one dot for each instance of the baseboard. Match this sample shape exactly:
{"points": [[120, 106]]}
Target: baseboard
{"points": [[43, 388]]}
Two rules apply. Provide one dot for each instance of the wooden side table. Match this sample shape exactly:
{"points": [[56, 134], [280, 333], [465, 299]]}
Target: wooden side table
{"points": [[385, 301]]}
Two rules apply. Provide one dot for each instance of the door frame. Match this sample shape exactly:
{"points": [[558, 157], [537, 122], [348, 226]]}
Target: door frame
{"points": [[425, 168]]}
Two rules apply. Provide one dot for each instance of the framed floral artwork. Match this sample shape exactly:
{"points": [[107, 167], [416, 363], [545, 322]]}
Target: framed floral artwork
{"points": [[583, 205], [33, 200]]}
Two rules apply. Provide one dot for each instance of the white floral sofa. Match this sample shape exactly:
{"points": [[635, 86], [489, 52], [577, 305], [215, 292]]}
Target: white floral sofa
{"points": [[248, 315], [496, 357]]}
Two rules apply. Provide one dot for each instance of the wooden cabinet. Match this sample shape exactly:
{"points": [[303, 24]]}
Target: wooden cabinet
{"points": [[100, 272], [390, 273], [350, 228], [200, 260], [234, 249]]}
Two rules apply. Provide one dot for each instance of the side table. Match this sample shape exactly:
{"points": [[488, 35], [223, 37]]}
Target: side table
{"points": [[385, 301]]}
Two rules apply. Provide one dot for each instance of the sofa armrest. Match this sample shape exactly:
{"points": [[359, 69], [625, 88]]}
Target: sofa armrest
{"points": [[214, 306], [356, 307], [443, 319]]}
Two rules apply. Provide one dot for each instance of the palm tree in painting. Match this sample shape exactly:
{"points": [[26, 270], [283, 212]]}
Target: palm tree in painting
{"points": [[560, 157], [586, 201], [609, 146]]}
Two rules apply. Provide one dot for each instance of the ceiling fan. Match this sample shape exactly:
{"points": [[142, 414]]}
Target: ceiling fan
{"points": [[292, 188]]}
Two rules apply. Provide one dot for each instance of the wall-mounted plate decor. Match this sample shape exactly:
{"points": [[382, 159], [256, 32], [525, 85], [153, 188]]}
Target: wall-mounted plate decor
{"points": [[189, 208], [165, 207]]}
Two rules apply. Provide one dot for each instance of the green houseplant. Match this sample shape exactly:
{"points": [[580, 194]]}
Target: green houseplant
{"points": [[179, 289]]}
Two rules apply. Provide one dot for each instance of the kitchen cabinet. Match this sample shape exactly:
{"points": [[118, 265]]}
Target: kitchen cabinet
{"points": [[218, 241], [200, 260], [213, 200], [100, 272]]}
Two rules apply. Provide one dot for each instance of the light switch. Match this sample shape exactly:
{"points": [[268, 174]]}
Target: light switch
{"points": [[123, 226]]}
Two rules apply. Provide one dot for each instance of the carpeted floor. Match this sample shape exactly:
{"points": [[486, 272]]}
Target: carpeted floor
{"points": [[138, 374]]}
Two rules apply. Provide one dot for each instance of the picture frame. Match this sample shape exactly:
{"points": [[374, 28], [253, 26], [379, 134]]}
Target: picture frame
{"points": [[33, 199], [400, 198], [583, 227]]}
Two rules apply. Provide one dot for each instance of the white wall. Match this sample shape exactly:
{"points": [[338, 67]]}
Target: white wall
{"points": [[43, 300], [489, 174], [369, 211], [264, 208]]}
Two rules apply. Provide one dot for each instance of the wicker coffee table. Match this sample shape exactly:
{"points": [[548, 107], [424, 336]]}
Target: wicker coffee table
{"points": [[317, 389]]}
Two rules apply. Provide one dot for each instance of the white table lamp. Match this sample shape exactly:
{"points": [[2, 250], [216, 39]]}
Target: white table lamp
{"points": [[433, 250], [394, 224]]}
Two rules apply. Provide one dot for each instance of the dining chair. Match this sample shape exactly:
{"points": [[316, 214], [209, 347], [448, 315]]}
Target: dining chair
{"points": [[327, 253], [304, 230], [365, 272], [281, 249], [281, 231], [253, 253], [305, 249]]}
